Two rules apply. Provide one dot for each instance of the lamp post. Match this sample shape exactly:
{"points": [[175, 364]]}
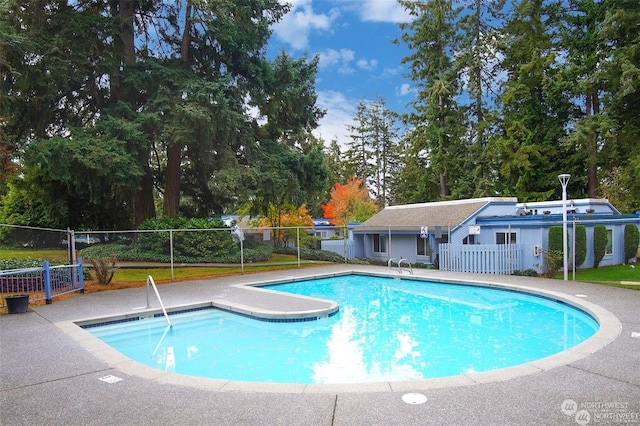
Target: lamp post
{"points": [[564, 180]]}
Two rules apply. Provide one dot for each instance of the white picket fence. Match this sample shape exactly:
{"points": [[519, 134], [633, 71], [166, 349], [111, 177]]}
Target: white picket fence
{"points": [[501, 259]]}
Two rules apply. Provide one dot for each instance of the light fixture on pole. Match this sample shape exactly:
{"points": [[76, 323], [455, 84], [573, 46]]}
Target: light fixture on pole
{"points": [[564, 180]]}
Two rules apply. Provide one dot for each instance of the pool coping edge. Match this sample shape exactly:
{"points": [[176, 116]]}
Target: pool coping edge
{"points": [[609, 329]]}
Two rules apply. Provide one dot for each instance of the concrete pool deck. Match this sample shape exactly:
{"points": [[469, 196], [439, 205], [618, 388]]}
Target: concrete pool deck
{"points": [[51, 374]]}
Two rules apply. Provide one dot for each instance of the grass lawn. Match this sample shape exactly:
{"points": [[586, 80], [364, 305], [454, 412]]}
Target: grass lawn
{"points": [[48, 254], [615, 275], [186, 272]]}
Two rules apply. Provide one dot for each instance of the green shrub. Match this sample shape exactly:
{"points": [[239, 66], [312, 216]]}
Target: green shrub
{"points": [[379, 262], [260, 253], [254, 251], [553, 256], [320, 255], [124, 253], [526, 273], [555, 238], [554, 261], [99, 251], [581, 244], [22, 263], [631, 241], [599, 244], [194, 240], [311, 242]]}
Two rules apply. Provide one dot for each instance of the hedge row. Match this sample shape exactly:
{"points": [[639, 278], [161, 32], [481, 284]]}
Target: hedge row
{"points": [[308, 254], [25, 263], [124, 253]]}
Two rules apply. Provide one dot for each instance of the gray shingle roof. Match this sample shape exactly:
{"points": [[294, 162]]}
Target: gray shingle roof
{"points": [[410, 217]]}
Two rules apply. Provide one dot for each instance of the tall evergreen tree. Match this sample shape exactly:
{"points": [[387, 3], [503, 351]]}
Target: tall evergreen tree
{"points": [[168, 83], [621, 100], [336, 164], [431, 36], [585, 47], [477, 60], [55, 86], [373, 152], [358, 153], [417, 182], [534, 109]]}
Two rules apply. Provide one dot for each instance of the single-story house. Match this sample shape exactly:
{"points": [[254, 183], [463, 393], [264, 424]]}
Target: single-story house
{"points": [[489, 235]]}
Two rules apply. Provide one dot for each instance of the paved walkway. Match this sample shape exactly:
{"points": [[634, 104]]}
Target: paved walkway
{"points": [[50, 376]]}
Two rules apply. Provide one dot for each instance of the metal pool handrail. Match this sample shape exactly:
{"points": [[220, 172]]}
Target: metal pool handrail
{"points": [[408, 263], [164, 311]]}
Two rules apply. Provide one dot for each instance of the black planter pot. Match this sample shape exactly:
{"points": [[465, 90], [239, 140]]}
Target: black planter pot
{"points": [[17, 303]]}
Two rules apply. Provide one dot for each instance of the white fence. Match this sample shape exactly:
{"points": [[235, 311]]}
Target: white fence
{"points": [[501, 259], [340, 246]]}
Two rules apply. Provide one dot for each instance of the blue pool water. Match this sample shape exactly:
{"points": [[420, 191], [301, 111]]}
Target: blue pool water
{"points": [[386, 330]]}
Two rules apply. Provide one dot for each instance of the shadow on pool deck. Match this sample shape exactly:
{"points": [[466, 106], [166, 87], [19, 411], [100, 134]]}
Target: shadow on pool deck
{"points": [[48, 378]]}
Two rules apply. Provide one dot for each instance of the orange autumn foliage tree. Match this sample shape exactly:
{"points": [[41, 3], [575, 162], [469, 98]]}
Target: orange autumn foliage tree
{"points": [[288, 217], [349, 203]]}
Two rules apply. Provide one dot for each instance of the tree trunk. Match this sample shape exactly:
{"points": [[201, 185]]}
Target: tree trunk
{"points": [[144, 207], [171, 203], [143, 198], [477, 71], [592, 108], [126, 35], [123, 9], [444, 189], [172, 184]]}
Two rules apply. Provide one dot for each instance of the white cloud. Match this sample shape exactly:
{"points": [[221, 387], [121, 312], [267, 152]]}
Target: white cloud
{"points": [[294, 28], [368, 65], [338, 58], [403, 89], [331, 57], [383, 11], [391, 72], [340, 112]]}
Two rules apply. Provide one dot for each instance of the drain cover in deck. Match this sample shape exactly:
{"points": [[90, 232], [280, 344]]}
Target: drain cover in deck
{"points": [[414, 398], [110, 379]]}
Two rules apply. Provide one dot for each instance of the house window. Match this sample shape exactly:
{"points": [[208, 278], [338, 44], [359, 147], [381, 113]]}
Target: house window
{"points": [[609, 249], [422, 245], [379, 243], [505, 238], [469, 239]]}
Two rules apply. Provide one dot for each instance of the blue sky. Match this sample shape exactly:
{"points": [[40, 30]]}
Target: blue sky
{"points": [[357, 58]]}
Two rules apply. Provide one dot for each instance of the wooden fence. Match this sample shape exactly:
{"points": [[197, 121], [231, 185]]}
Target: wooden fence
{"points": [[340, 246], [501, 259]]}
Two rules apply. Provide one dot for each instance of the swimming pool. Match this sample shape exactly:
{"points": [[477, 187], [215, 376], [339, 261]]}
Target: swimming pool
{"points": [[386, 330]]}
